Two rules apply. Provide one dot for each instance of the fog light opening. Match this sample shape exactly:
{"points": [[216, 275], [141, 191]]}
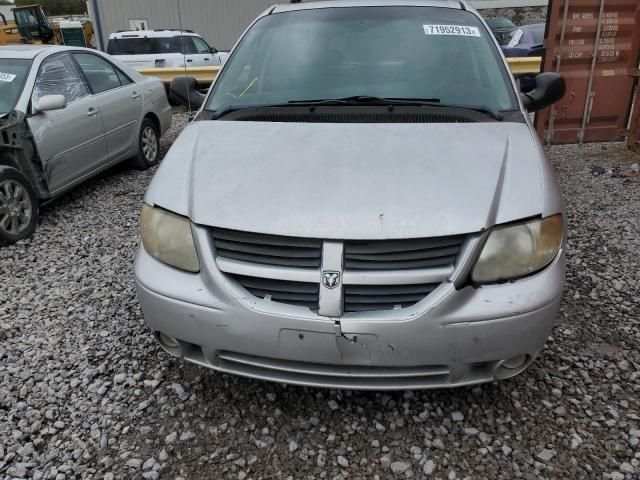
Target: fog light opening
{"points": [[512, 366], [170, 344]]}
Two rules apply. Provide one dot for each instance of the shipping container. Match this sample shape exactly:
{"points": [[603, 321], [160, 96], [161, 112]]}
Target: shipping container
{"points": [[595, 45]]}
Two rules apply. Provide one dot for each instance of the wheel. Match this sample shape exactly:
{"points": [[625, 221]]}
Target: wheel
{"points": [[18, 206], [148, 146]]}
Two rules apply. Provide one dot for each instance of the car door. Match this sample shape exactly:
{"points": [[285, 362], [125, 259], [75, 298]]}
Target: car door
{"points": [[71, 141], [204, 56], [184, 45], [119, 100]]}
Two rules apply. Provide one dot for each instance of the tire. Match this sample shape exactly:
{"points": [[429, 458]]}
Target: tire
{"points": [[148, 146], [18, 206]]}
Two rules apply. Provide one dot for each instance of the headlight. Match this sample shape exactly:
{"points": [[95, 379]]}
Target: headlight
{"points": [[518, 250], [167, 237]]}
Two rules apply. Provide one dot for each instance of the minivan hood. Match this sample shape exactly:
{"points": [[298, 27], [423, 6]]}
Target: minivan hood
{"points": [[352, 181]]}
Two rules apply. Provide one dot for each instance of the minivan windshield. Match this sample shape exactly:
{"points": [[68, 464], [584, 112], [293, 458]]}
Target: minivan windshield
{"points": [[13, 74], [384, 52]]}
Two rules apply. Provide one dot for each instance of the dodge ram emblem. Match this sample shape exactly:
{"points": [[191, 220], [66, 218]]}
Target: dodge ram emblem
{"points": [[330, 279]]}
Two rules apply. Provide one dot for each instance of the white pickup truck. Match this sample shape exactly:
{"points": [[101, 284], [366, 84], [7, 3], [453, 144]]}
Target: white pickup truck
{"points": [[164, 49]]}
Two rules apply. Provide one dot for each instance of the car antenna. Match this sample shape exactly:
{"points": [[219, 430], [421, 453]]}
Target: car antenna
{"points": [[184, 55]]}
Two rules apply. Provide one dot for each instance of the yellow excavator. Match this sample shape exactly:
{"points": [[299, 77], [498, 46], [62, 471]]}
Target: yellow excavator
{"points": [[31, 25]]}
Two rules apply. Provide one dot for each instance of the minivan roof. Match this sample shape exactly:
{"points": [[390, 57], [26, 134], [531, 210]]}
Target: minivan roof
{"points": [[158, 33], [371, 3]]}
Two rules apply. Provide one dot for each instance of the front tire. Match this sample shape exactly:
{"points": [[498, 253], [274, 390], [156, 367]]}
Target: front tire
{"points": [[18, 206], [148, 146]]}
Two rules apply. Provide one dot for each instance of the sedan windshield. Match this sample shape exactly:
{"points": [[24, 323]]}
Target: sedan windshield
{"points": [[441, 54], [13, 73]]}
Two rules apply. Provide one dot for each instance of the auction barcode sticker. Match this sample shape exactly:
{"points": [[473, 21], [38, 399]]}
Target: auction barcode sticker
{"points": [[7, 77], [459, 30]]}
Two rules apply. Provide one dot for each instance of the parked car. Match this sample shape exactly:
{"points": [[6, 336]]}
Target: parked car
{"points": [[361, 202], [65, 115], [163, 49], [500, 26], [525, 41]]}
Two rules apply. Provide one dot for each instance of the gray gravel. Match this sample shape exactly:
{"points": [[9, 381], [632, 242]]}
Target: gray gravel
{"points": [[86, 393]]}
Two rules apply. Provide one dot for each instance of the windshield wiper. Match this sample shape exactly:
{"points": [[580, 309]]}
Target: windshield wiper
{"points": [[389, 101], [492, 112], [233, 108], [366, 100]]}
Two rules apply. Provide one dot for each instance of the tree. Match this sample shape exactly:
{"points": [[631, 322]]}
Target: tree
{"points": [[58, 7], [5, 2]]}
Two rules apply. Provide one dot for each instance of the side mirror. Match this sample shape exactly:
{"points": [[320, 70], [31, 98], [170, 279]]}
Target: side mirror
{"points": [[49, 103], [550, 88], [184, 91], [214, 50]]}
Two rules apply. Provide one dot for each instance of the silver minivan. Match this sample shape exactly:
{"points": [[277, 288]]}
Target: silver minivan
{"points": [[361, 202]]}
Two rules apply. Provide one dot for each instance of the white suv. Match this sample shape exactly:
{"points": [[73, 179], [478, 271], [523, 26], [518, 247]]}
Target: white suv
{"points": [[164, 49]]}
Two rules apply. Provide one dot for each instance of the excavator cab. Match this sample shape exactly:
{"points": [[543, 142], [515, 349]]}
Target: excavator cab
{"points": [[33, 24]]}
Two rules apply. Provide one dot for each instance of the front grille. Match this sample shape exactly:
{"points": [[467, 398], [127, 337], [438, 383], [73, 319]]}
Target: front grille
{"points": [[377, 275], [401, 254], [283, 291], [268, 249], [367, 298]]}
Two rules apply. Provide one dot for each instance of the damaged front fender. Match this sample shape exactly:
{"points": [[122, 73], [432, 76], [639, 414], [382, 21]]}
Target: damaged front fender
{"points": [[18, 150]]}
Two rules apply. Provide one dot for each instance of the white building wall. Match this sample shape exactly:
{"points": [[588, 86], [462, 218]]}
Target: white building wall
{"points": [[220, 22]]}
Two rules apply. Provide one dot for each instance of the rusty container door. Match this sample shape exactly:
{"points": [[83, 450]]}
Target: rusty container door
{"points": [[595, 45]]}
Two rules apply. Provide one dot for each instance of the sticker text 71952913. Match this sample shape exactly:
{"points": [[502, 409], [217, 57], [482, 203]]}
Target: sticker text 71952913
{"points": [[458, 30], [7, 77]]}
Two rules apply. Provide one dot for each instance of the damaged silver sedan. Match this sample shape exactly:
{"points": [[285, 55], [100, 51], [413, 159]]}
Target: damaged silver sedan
{"points": [[65, 115], [361, 202]]}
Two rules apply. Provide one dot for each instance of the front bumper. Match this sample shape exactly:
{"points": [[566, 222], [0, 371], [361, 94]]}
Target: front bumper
{"points": [[451, 338]]}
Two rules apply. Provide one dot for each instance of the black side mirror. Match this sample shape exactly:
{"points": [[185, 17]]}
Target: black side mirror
{"points": [[214, 50], [550, 87], [184, 91]]}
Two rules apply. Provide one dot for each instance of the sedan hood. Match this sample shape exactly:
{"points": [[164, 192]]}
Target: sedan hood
{"points": [[352, 181]]}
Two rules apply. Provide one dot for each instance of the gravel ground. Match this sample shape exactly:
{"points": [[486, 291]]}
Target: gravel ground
{"points": [[86, 393]]}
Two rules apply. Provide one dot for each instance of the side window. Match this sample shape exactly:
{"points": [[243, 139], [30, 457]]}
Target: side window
{"points": [[201, 45], [101, 75], [183, 45], [124, 80], [59, 75]]}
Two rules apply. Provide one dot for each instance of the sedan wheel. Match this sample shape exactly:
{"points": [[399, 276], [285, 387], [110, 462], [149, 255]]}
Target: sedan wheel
{"points": [[17, 206], [149, 144]]}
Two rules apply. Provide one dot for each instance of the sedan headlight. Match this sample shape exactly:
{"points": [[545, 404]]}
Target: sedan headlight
{"points": [[168, 238], [518, 250]]}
